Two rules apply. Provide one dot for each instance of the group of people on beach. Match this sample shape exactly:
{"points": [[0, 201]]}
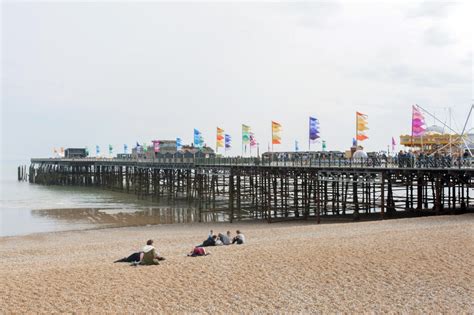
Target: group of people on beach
{"points": [[150, 256], [217, 240]]}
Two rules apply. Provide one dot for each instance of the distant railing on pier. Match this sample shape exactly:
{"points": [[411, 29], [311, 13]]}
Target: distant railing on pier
{"points": [[370, 162]]}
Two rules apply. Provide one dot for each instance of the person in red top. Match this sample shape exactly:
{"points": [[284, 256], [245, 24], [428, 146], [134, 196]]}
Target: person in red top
{"points": [[198, 251]]}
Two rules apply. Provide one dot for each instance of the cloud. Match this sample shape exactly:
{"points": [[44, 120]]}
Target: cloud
{"points": [[430, 9], [437, 37]]}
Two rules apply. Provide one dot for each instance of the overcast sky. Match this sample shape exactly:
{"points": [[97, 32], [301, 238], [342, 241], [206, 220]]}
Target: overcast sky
{"points": [[80, 74]]}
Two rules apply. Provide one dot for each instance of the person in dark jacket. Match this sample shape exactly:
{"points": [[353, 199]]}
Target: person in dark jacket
{"points": [[209, 242]]}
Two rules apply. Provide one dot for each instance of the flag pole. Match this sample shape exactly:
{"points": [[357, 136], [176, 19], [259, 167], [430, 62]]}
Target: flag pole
{"points": [[272, 135], [242, 137], [357, 130], [309, 135], [412, 140]]}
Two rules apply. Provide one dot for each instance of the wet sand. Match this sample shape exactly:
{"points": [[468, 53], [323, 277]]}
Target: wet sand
{"points": [[405, 265]]}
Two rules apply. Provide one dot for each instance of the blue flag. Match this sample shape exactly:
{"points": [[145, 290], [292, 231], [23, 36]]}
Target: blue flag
{"points": [[228, 141], [179, 144], [313, 129], [97, 149], [198, 139], [125, 148]]}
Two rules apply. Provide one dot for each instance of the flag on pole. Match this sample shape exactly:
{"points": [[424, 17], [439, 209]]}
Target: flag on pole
{"points": [[253, 140], [324, 145], [97, 150], [111, 149], [219, 138], [361, 126], [313, 129], [393, 144], [198, 139], [139, 148], [418, 125], [179, 144], [156, 146], [228, 142], [297, 148], [245, 134], [276, 133], [125, 148]]}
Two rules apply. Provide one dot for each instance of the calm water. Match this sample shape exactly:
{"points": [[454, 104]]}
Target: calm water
{"points": [[27, 208]]}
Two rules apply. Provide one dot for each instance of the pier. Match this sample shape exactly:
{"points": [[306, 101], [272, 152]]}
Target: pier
{"points": [[256, 188]]}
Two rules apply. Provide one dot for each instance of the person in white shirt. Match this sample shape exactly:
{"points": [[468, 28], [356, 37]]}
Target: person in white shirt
{"points": [[239, 238]]}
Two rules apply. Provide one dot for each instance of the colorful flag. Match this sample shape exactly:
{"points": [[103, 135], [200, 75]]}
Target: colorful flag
{"points": [[313, 129], [179, 144], [245, 134], [361, 126], [228, 142], [297, 148], [198, 139], [276, 133], [418, 125], [125, 148], [139, 148], [253, 140], [219, 138], [156, 146]]}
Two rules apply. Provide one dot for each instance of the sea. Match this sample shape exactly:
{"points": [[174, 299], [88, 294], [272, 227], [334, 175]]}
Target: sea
{"points": [[30, 208]]}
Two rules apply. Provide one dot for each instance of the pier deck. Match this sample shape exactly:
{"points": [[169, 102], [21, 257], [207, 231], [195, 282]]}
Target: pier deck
{"points": [[242, 188]]}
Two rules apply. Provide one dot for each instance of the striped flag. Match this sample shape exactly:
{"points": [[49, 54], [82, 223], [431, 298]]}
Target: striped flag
{"points": [[228, 142], [276, 133], [219, 138], [361, 126]]}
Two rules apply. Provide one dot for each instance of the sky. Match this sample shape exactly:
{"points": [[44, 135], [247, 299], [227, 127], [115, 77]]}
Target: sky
{"points": [[77, 74]]}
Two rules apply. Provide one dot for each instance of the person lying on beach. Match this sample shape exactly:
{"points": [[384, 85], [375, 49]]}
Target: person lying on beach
{"points": [[135, 257], [209, 242], [239, 238], [224, 239], [198, 251], [138, 257]]}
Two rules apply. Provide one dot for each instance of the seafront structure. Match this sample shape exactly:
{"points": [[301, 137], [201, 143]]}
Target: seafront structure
{"points": [[274, 189]]}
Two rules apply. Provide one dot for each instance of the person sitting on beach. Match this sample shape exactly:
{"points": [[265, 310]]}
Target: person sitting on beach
{"points": [[150, 255], [239, 238], [198, 251], [219, 241], [209, 242], [224, 239], [137, 257]]}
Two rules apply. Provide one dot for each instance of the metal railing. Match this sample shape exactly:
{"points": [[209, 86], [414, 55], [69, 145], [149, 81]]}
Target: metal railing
{"points": [[371, 162]]}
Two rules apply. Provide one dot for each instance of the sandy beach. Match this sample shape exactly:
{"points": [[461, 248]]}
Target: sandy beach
{"points": [[406, 265]]}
